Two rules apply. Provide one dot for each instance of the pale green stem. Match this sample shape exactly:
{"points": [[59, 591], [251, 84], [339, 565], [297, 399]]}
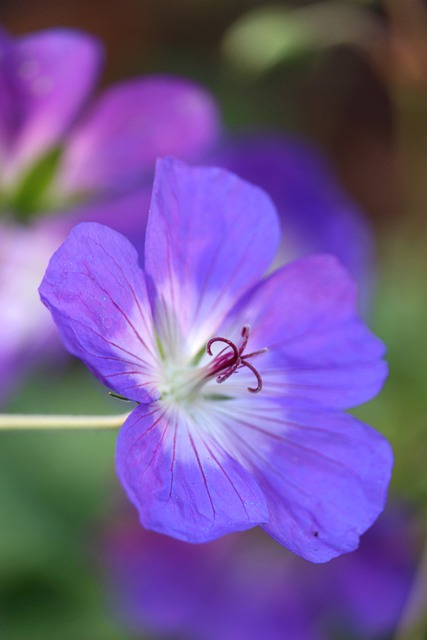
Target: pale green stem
{"points": [[21, 421], [413, 621]]}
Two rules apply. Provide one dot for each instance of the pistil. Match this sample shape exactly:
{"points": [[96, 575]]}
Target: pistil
{"points": [[226, 363]]}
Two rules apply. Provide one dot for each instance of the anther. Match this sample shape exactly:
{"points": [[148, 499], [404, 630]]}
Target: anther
{"points": [[245, 335]]}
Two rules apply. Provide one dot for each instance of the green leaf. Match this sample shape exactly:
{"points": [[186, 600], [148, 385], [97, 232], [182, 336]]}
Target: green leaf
{"points": [[264, 37], [30, 196]]}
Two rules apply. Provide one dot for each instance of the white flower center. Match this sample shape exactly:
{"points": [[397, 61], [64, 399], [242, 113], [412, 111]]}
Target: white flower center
{"points": [[188, 383]]}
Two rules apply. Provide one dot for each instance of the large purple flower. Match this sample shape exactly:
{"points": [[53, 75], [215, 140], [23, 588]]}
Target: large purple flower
{"points": [[240, 381], [242, 586], [61, 155]]}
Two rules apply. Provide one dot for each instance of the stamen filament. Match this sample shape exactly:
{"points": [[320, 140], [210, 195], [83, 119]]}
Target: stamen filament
{"points": [[228, 372], [228, 342], [257, 376]]}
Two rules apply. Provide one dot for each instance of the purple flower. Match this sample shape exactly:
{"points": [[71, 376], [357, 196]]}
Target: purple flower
{"points": [[242, 586], [26, 329], [62, 154], [240, 381], [46, 80]]}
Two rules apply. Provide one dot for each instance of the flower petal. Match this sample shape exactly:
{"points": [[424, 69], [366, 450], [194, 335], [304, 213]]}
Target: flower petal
{"points": [[324, 474], [319, 349], [27, 332], [181, 480], [247, 586], [239, 586], [372, 587], [162, 585], [326, 484], [97, 295], [210, 236], [131, 125], [53, 73]]}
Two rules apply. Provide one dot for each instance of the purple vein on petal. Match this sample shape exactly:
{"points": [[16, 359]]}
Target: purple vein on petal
{"points": [[205, 285], [265, 461], [143, 435], [139, 385], [172, 465], [132, 290], [151, 427], [226, 475], [99, 335], [196, 453], [127, 319], [119, 309]]}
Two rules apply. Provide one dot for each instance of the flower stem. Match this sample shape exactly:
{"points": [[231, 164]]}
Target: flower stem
{"points": [[413, 619], [20, 421]]}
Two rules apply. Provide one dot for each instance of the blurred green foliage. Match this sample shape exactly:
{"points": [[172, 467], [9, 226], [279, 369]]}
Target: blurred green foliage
{"points": [[274, 34], [55, 489], [30, 197], [400, 318]]}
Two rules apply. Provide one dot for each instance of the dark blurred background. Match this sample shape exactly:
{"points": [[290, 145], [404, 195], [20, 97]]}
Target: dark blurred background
{"points": [[338, 98]]}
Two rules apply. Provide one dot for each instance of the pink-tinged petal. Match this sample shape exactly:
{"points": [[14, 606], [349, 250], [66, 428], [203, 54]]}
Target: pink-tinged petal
{"points": [[132, 125], [27, 332], [318, 348], [53, 73], [210, 236], [181, 479], [324, 474], [26, 328], [96, 293]]}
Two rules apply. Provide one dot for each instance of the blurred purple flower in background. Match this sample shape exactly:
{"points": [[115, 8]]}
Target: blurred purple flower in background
{"points": [[241, 382], [61, 155], [245, 586], [315, 212]]}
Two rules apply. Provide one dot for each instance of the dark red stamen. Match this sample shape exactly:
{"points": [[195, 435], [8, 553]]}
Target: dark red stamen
{"points": [[245, 335], [228, 342], [257, 376], [225, 364]]}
